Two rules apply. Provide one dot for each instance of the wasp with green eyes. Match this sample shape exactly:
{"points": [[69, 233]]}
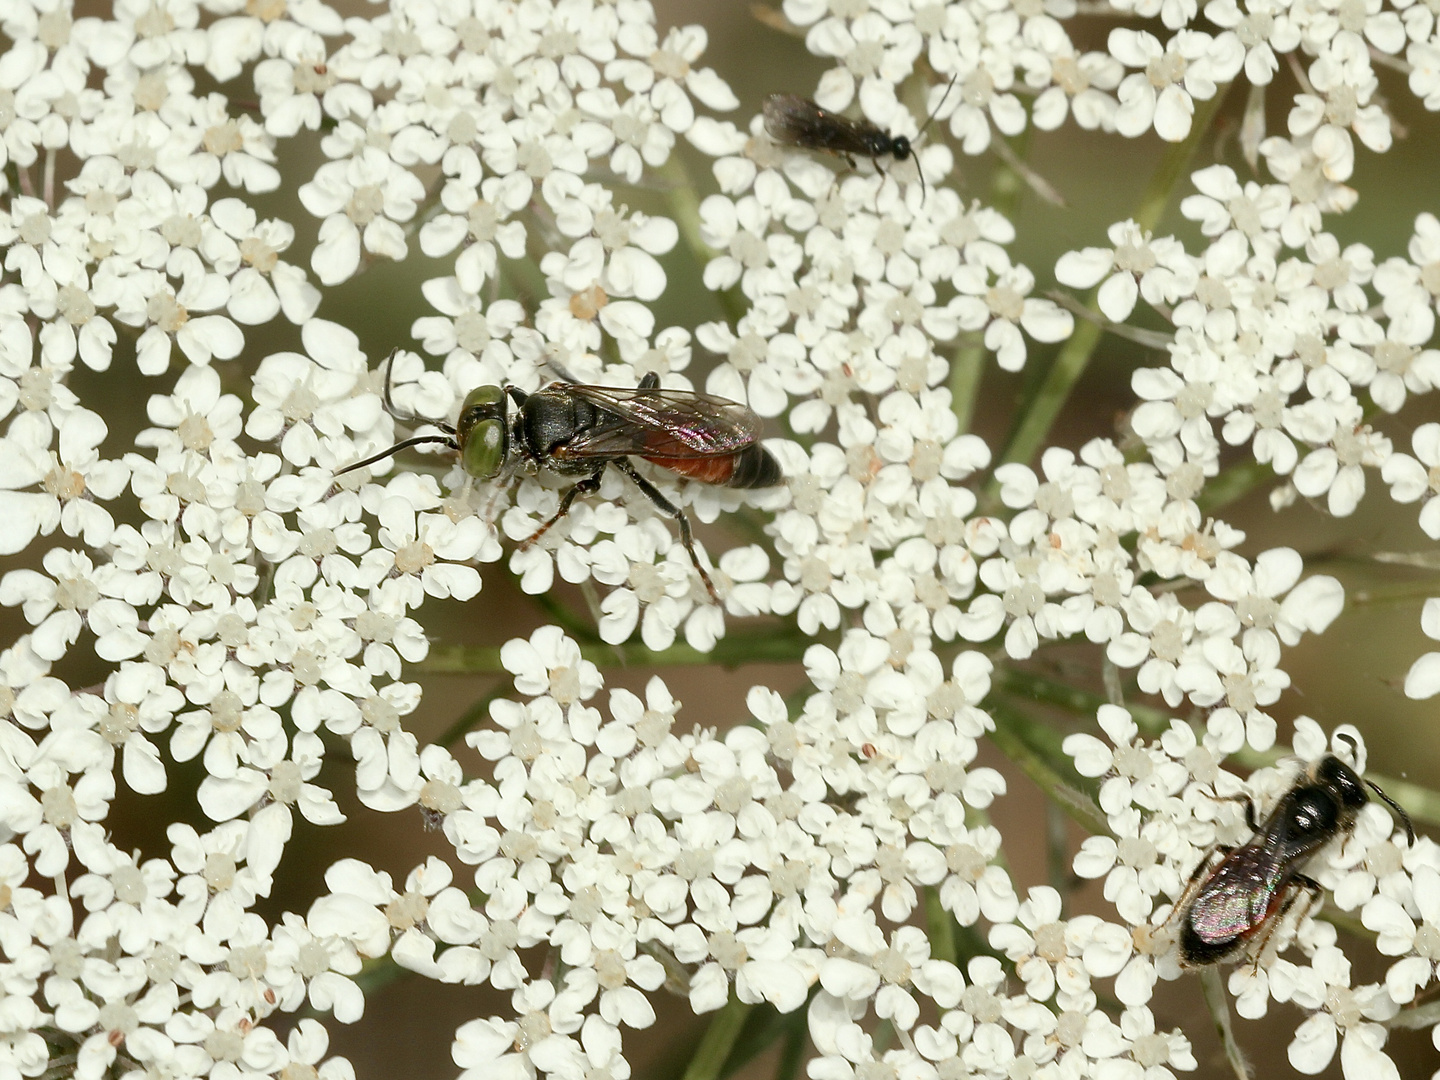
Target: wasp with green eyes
{"points": [[574, 429]]}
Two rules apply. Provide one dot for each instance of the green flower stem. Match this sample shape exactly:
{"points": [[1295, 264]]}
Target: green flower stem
{"points": [[1232, 484], [566, 619], [719, 1037], [1040, 412], [1408, 592], [61, 1065], [763, 1027], [1035, 748], [677, 975], [1155, 340], [795, 701], [684, 205], [1057, 855], [750, 524], [1175, 165], [940, 928], [1416, 1017], [967, 367], [1009, 185], [881, 1036], [1348, 921], [472, 717], [729, 653], [375, 974], [591, 596], [683, 202], [792, 1054], [1214, 991], [522, 280], [1082, 703]]}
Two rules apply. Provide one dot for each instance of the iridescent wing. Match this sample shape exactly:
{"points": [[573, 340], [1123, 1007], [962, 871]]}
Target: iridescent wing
{"points": [[798, 121], [660, 423], [1240, 895]]}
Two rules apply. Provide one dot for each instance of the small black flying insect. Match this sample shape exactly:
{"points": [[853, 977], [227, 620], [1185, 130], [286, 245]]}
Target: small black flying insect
{"points": [[1233, 906], [796, 121], [577, 430]]}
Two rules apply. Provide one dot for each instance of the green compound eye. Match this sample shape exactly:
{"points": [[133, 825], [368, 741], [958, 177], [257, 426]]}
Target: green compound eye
{"points": [[483, 432]]}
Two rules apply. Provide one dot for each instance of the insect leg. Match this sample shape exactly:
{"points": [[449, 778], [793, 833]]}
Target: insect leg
{"points": [[1249, 805], [881, 170], [588, 486], [1250, 816], [498, 487], [488, 516], [665, 506], [1246, 801]]}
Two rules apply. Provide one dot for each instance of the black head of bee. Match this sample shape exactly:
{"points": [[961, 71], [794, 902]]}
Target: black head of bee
{"points": [[1342, 782]]}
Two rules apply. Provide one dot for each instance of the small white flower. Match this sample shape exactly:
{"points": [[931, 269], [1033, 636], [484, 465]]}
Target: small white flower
{"points": [[261, 284], [363, 200], [1337, 471], [1171, 76], [1156, 268], [478, 217], [1045, 952], [1423, 679]]}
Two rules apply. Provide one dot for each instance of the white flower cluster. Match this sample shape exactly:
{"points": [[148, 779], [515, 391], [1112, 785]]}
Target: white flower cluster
{"points": [[1168, 803], [253, 614]]}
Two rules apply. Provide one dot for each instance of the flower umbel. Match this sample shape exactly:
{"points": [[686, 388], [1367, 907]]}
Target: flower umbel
{"points": [[197, 201]]}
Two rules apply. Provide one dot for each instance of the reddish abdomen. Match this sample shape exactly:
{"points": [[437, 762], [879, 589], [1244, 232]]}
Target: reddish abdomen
{"points": [[749, 467], [708, 470]]}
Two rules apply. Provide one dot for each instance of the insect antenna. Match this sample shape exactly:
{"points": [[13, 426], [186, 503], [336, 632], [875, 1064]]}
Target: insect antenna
{"points": [[404, 444], [1399, 810], [389, 366], [405, 418], [938, 106]]}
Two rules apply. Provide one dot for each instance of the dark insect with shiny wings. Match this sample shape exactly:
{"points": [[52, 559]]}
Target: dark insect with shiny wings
{"points": [[797, 121], [577, 430], [1233, 906]]}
